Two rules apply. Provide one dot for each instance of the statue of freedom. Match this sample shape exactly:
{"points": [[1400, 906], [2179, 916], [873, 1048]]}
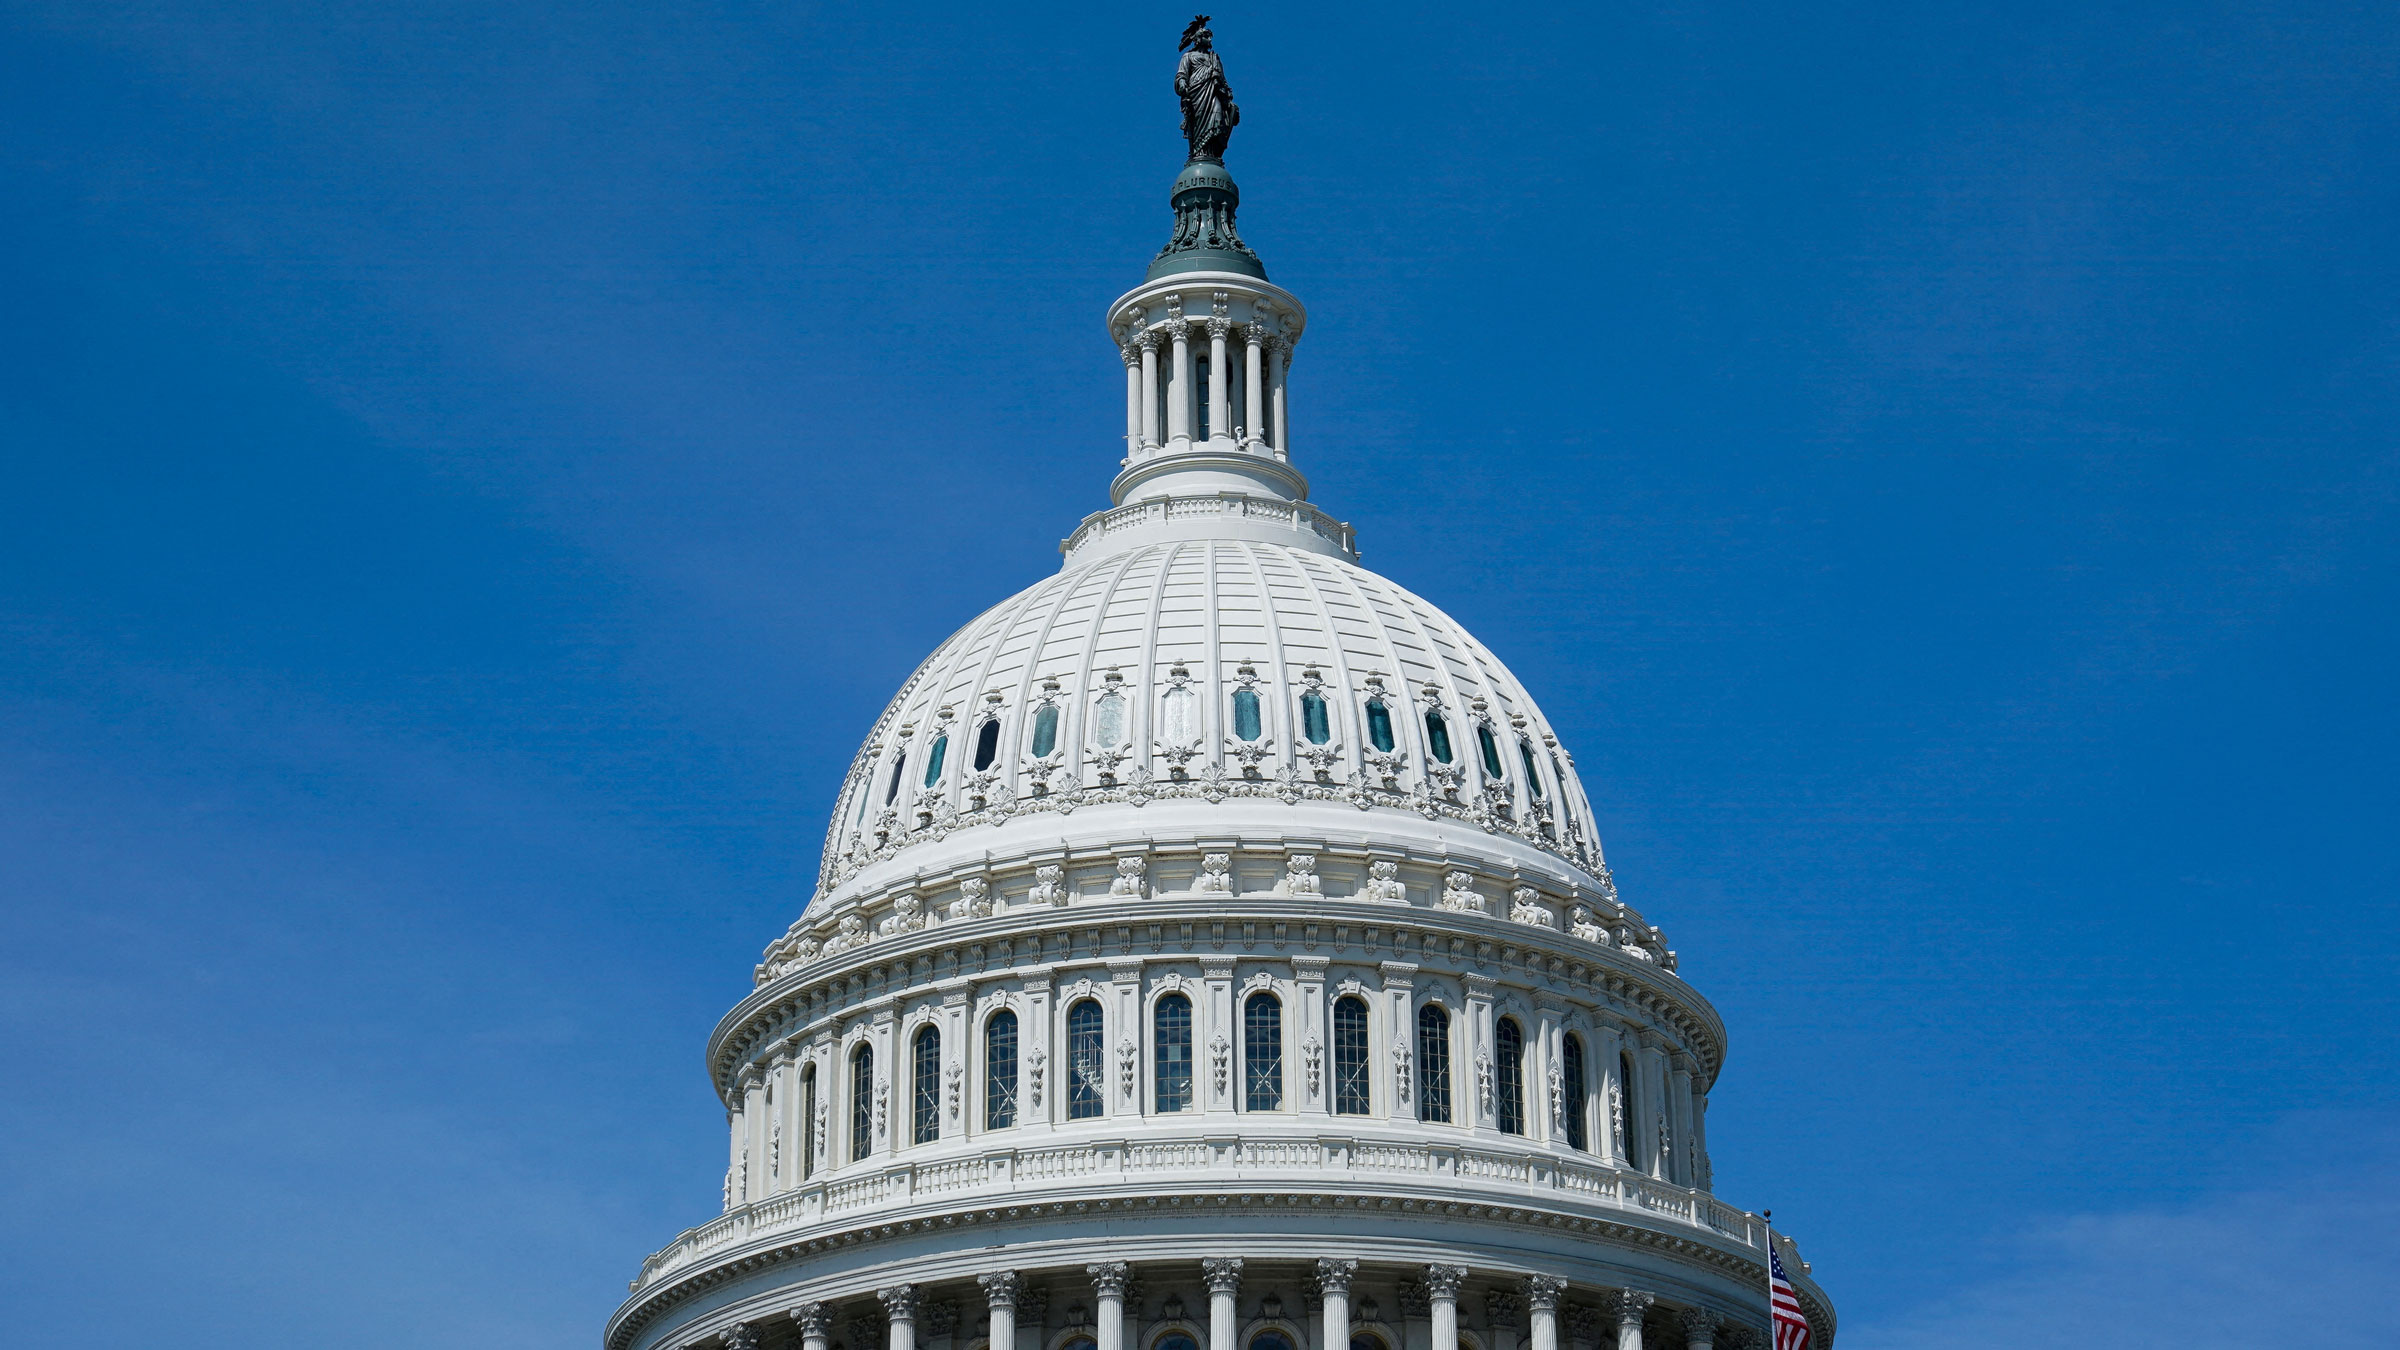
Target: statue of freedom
{"points": [[1209, 115]]}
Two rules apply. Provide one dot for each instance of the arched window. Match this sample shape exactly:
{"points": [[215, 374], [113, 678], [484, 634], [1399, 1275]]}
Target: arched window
{"points": [[1491, 751], [1509, 1074], [1087, 1068], [1379, 726], [1437, 735], [987, 744], [1174, 1340], [1433, 1063], [1245, 714], [925, 1113], [1350, 1056], [933, 759], [1045, 731], [808, 1121], [1533, 777], [1316, 721], [1108, 720], [1000, 1071], [1578, 1137], [1262, 1053], [862, 1103], [1270, 1340], [1626, 1114], [1171, 1051], [1366, 1340], [891, 792]]}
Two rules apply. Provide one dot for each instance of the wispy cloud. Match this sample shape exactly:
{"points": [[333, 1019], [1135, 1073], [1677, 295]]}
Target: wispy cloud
{"points": [[2310, 1248]]}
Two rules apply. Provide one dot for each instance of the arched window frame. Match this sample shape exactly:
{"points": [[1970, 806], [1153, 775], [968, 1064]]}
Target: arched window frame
{"points": [[925, 1084], [1353, 1057], [1002, 1081], [1262, 1051], [1575, 1081], [1087, 1059], [1435, 1036], [1508, 1075], [1171, 1049], [1629, 1110], [808, 1118], [861, 1091]]}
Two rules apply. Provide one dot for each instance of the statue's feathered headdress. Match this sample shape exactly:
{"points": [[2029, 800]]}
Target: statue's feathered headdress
{"points": [[1198, 25]]}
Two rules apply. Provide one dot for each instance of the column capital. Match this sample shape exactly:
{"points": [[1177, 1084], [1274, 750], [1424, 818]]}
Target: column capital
{"points": [[1108, 1278], [1220, 326], [899, 1302], [1631, 1304], [739, 1336], [1542, 1292], [1131, 354], [1699, 1328], [1145, 341], [1442, 1282], [1002, 1288], [1334, 1275], [1222, 1274], [815, 1319]]}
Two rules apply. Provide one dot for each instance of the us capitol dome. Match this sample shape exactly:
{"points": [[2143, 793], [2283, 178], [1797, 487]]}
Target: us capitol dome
{"points": [[1213, 948]]}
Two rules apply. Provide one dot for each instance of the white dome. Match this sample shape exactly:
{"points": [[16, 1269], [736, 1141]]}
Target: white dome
{"points": [[1199, 622]]}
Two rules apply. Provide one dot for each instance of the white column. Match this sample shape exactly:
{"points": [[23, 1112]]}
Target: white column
{"points": [[816, 1321], [1179, 393], [1216, 1030], [1254, 392], [1607, 1046], [1147, 341], [1699, 1329], [1679, 1126], [754, 1147], [1000, 1290], [1278, 375], [1133, 401], [1333, 1282], [1399, 989], [735, 1132], [1441, 1287], [900, 1305], [1475, 1050], [1311, 1031], [1220, 382], [1108, 1284], [1548, 1083], [1223, 1275], [1541, 1301], [1631, 1304]]}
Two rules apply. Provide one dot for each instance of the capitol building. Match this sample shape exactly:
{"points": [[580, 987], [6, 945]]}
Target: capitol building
{"points": [[1213, 948]]}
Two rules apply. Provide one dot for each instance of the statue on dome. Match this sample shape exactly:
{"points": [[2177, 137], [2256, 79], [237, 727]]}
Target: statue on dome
{"points": [[1209, 114]]}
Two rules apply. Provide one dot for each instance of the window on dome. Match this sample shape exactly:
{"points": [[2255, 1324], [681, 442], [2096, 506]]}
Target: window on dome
{"points": [[1628, 1113], [866, 791], [987, 745], [1566, 795], [1578, 1132], [1533, 776], [933, 759], [1433, 1064], [1245, 714], [925, 1115], [1316, 726], [891, 792], [1262, 1053], [1108, 720], [1437, 735], [1491, 751], [1171, 1051], [1087, 1073], [862, 1103], [1350, 1056], [1000, 1071], [1177, 724], [1379, 726], [1510, 1073], [1045, 731], [808, 1115]]}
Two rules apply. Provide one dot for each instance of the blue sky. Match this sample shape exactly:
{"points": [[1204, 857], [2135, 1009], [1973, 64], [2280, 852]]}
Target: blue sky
{"points": [[474, 472]]}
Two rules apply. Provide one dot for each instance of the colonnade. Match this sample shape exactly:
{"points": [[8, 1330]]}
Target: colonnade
{"points": [[1162, 404], [1614, 1319]]}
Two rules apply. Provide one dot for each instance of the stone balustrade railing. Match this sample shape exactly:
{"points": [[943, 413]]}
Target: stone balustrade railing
{"points": [[1300, 517], [1091, 1168]]}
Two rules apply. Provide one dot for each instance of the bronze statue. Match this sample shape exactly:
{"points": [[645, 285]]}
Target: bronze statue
{"points": [[1209, 115]]}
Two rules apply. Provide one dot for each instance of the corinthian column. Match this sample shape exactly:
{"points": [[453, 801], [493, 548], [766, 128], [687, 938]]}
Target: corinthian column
{"points": [[1223, 1275], [1179, 404], [1000, 1291], [1541, 1298], [1333, 1282], [1279, 374], [900, 1305], [816, 1322], [1147, 341], [1631, 1304], [1133, 401], [1699, 1329], [1108, 1285], [1220, 382], [1254, 393], [1441, 1287]]}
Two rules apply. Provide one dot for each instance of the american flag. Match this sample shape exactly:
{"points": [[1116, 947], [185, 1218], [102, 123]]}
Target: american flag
{"points": [[1791, 1327]]}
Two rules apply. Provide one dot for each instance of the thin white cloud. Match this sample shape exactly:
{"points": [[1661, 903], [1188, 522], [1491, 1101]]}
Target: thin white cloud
{"points": [[2309, 1254]]}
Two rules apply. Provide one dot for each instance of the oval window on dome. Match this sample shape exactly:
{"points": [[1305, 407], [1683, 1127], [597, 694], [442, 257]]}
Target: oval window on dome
{"points": [[891, 792], [1245, 714], [1491, 750], [1533, 777], [1379, 726], [987, 745], [1108, 720], [1437, 735], [933, 759], [1045, 731], [1176, 724], [1315, 723]]}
